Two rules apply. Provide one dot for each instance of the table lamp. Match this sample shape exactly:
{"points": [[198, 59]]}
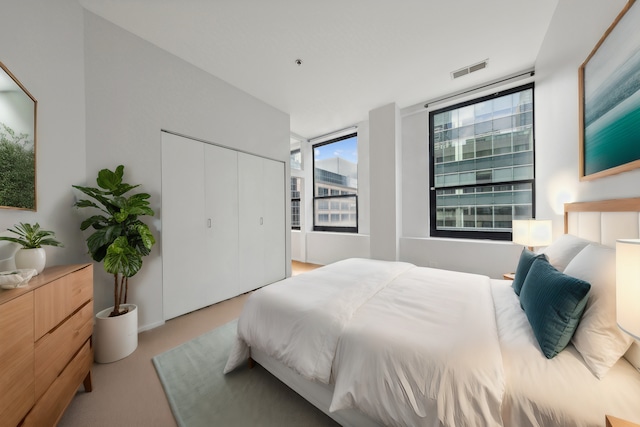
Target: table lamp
{"points": [[628, 286], [531, 232]]}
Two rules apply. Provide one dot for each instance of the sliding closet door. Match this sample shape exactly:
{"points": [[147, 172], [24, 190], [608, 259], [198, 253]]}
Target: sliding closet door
{"points": [[223, 223], [221, 186], [251, 255], [262, 221], [199, 224], [274, 224], [185, 265]]}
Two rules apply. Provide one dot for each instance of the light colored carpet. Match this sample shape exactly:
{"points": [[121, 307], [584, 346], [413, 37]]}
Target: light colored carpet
{"points": [[201, 395]]}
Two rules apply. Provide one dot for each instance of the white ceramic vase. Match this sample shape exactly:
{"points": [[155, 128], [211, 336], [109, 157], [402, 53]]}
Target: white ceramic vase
{"points": [[31, 258], [115, 338]]}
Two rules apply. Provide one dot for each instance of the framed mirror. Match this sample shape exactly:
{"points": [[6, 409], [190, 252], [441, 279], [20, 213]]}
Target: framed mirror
{"points": [[17, 143]]}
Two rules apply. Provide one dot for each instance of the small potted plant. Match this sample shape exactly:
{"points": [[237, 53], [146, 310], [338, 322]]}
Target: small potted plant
{"points": [[120, 239], [32, 239]]}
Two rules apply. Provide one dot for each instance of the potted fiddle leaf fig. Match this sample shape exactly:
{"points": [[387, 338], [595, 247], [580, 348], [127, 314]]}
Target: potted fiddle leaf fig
{"points": [[32, 239], [120, 240]]}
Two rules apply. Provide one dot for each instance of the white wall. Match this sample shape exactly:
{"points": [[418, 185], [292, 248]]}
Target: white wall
{"points": [[325, 248], [575, 29], [134, 90], [41, 43], [385, 160]]}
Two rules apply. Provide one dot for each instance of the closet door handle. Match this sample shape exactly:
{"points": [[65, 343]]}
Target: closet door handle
{"points": [[261, 221], [209, 222]]}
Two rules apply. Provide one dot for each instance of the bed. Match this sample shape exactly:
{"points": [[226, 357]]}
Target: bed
{"points": [[375, 343]]}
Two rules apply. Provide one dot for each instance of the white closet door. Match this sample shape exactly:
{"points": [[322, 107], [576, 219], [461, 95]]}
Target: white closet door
{"points": [[262, 221], [184, 257], [274, 221], [251, 236], [221, 184]]}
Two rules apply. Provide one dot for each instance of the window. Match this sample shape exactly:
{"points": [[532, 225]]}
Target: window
{"points": [[482, 165], [296, 188], [296, 159], [335, 185]]}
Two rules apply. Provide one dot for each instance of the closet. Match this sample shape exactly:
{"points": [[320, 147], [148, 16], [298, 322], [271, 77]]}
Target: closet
{"points": [[223, 223]]}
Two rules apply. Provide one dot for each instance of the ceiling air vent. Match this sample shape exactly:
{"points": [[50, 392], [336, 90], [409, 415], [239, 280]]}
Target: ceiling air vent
{"points": [[469, 69]]}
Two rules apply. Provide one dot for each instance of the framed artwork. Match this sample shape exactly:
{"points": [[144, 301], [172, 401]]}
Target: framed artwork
{"points": [[609, 92], [17, 144]]}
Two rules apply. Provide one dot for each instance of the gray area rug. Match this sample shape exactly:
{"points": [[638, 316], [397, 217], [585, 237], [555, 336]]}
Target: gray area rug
{"points": [[201, 395]]}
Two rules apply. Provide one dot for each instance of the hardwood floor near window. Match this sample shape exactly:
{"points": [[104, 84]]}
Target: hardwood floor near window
{"points": [[298, 267], [129, 390]]}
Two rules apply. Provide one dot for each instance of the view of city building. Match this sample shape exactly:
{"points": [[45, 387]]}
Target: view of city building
{"points": [[483, 163], [336, 185]]}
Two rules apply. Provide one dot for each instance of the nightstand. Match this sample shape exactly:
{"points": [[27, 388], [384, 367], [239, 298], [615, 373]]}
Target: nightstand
{"points": [[617, 422], [508, 276]]}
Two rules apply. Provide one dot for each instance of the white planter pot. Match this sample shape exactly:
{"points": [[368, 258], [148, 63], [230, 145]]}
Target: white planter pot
{"points": [[31, 258], [115, 338]]}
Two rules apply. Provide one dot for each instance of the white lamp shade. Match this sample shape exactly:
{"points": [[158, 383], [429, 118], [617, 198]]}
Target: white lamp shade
{"points": [[532, 232], [628, 286]]}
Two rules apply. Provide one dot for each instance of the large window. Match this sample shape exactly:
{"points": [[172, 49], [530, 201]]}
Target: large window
{"points": [[482, 165], [296, 189], [335, 185]]}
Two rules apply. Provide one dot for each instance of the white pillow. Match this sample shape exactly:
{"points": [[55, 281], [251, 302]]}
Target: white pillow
{"points": [[598, 338], [563, 249]]}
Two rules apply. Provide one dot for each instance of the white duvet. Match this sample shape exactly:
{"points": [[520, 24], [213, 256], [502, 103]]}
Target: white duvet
{"points": [[407, 345], [424, 351]]}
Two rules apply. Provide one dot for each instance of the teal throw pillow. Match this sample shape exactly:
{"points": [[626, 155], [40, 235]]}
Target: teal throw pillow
{"points": [[553, 303], [526, 259]]}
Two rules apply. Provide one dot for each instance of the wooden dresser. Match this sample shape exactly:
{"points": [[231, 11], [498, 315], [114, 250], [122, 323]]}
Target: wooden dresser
{"points": [[45, 345]]}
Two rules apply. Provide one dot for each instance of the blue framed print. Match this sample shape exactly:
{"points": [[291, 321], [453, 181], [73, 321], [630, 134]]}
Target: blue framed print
{"points": [[610, 100]]}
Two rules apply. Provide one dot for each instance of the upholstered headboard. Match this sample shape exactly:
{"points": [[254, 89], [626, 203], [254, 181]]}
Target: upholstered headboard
{"points": [[604, 222]]}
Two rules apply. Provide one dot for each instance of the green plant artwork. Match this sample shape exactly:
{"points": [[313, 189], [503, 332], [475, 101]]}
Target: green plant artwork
{"points": [[17, 169]]}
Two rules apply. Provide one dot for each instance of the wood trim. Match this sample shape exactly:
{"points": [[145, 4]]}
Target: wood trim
{"points": [[612, 205], [581, 120], [617, 422]]}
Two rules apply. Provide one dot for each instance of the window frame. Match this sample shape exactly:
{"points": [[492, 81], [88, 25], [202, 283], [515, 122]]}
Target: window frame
{"points": [[329, 197], [480, 234], [298, 199]]}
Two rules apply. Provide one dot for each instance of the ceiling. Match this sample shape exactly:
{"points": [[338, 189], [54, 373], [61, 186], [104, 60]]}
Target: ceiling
{"points": [[356, 55]]}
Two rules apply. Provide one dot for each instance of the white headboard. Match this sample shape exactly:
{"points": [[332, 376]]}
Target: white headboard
{"points": [[604, 222]]}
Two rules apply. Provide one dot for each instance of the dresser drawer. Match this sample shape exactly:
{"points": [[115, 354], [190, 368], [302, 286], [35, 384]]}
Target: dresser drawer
{"points": [[16, 359], [58, 299], [49, 409], [54, 350]]}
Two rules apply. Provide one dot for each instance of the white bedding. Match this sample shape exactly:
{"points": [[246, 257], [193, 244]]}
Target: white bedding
{"points": [[430, 337], [415, 346], [357, 305], [298, 321], [561, 391]]}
